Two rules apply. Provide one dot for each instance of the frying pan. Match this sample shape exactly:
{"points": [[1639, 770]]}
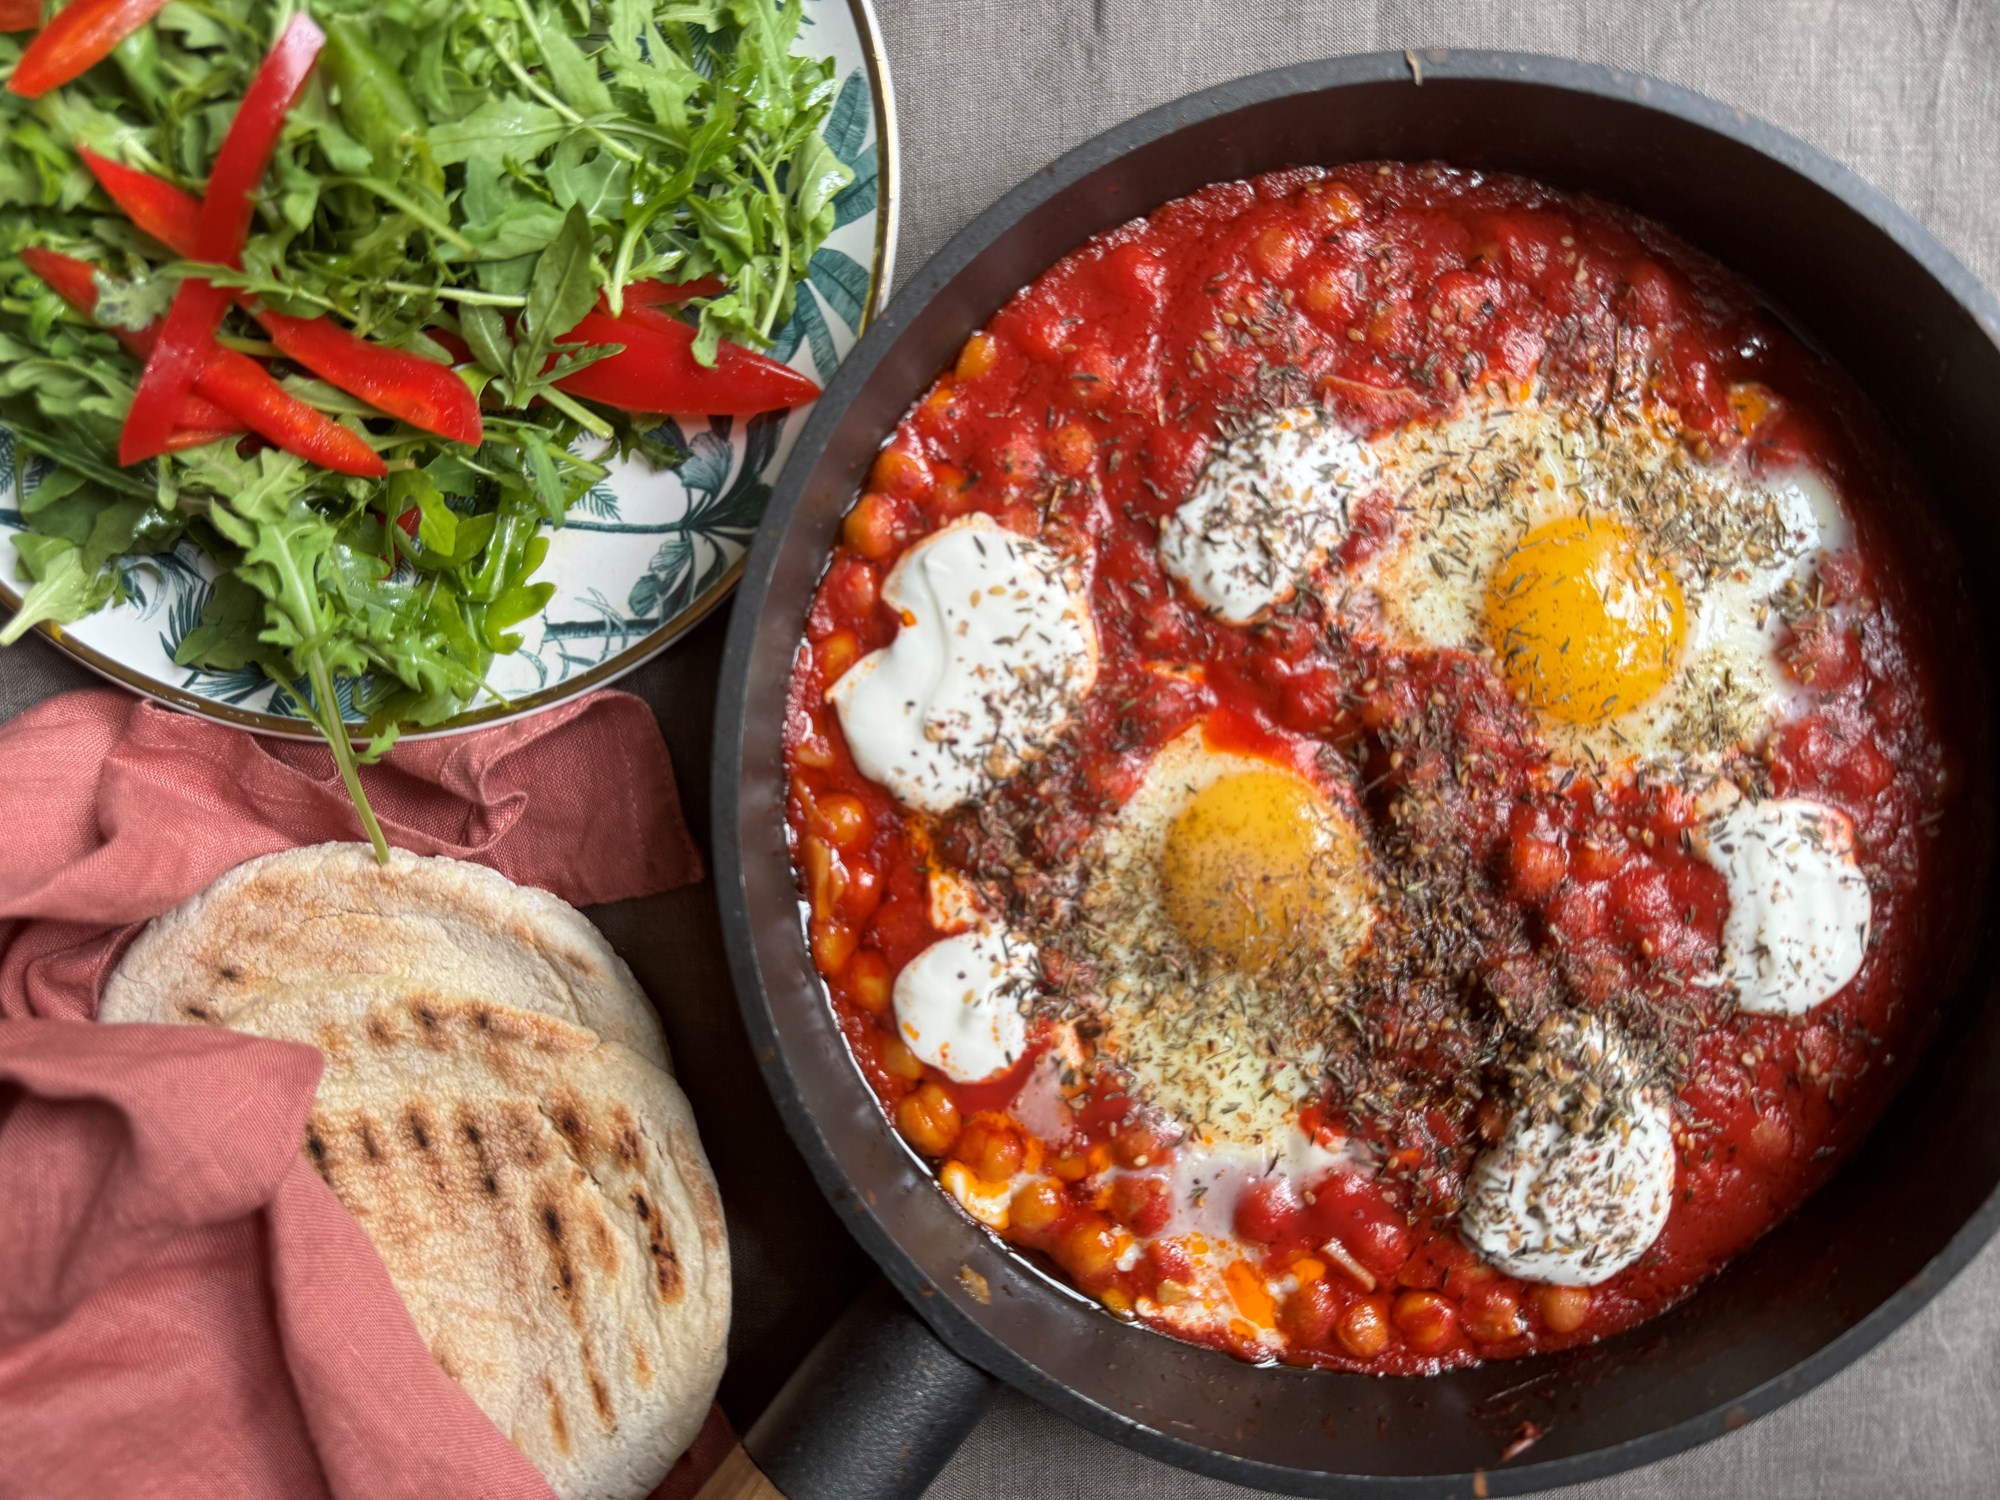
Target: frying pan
{"points": [[882, 1405]]}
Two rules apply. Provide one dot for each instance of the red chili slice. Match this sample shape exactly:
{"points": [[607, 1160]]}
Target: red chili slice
{"points": [[79, 36], [404, 385], [656, 370], [653, 293], [231, 390], [20, 15], [199, 420], [159, 208], [225, 221]]}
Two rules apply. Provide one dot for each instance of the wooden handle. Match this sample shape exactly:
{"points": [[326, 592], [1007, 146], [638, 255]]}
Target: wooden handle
{"points": [[739, 1478]]}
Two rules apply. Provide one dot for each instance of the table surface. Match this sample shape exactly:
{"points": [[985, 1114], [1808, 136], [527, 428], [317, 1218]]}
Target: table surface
{"points": [[1906, 93]]}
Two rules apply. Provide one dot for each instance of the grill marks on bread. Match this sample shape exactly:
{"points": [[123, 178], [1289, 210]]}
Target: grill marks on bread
{"points": [[552, 1160], [534, 1185]]}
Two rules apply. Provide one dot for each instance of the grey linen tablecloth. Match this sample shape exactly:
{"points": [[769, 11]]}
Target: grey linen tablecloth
{"points": [[1908, 94]]}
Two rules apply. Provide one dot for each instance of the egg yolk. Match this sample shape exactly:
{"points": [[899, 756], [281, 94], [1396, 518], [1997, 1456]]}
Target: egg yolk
{"points": [[1587, 624], [1253, 866]]}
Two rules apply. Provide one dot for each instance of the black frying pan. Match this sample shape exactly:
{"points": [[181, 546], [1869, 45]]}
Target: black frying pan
{"points": [[1854, 275]]}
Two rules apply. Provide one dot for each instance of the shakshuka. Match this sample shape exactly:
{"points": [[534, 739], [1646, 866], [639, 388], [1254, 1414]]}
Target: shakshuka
{"points": [[1369, 779]]}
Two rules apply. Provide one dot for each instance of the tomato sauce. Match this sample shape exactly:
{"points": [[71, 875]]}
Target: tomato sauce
{"points": [[1083, 414]]}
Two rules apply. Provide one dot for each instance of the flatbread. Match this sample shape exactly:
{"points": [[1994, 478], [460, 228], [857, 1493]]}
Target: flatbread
{"points": [[542, 1202], [310, 916], [497, 1114]]}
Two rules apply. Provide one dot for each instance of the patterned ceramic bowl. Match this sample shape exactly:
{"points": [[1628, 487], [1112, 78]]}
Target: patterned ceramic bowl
{"points": [[644, 555]]}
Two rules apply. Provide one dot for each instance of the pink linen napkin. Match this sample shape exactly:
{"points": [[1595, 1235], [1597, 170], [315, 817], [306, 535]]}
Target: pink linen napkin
{"points": [[186, 1309]]}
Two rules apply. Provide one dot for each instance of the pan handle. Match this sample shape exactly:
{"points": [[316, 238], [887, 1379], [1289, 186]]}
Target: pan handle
{"points": [[875, 1412]]}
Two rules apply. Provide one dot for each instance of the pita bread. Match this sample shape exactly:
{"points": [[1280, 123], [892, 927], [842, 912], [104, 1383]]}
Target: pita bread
{"points": [[307, 917], [542, 1203], [536, 1189]]}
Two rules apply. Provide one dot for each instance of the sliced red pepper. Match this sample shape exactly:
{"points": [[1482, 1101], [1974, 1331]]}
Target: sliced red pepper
{"points": [[169, 215], [199, 304], [245, 388], [405, 385], [75, 281], [20, 15], [231, 389], [77, 38], [654, 293], [185, 438], [421, 392], [656, 370]]}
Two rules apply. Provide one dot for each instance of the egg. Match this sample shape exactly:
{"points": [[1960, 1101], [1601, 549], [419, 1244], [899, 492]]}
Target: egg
{"points": [[1626, 592], [1581, 1181], [1269, 505], [995, 650], [1222, 910], [961, 1003], [1799, 904]]}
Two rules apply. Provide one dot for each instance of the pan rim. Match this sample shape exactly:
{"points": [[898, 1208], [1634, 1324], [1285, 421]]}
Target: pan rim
{"points": [[950, 1322]]}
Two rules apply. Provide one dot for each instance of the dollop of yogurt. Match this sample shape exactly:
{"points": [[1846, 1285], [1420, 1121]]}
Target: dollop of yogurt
{"points": [[996, 649], [1573, 1208], [959, 1003], [1581, 1182], [1269, 506], [1799, 905]]}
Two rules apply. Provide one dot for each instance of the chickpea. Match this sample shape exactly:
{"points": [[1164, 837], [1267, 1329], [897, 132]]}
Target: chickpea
{"points": [[948, 499], [868, 981], [860, 589], [1495, 1317], [1308, 1314], [1072, 1168], [876, 526], [978, 356], [1563, 1308], [1135, 1146], [899, 472], [1426, 1320], [833, 944], [928, 1118], [846, 820], [1276, 251], [992, 1149], [1325, 296], [898, 1061], [1771, 1139], [1090, 1250], [1598, 858], [1334, 204], [1363, 1329], [837, 653], [1072, 449], [862, 893], [1037, 1206], [1535, 866]]}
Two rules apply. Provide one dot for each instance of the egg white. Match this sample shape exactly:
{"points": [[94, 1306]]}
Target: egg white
{"points": [[1223, 1052], [1468, 491]]}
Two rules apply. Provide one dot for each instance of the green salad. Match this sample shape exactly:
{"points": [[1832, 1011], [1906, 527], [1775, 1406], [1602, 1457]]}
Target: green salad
{"points": [[585, 212]]}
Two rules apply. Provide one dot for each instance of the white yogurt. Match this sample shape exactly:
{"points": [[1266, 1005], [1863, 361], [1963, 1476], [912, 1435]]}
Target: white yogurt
{"points": [[1799, 905], [958, 1003], [1266, 511], [996, 649]]}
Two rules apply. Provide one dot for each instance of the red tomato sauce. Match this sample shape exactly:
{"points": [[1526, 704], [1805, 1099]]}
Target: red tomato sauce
{"points": [[1082, 414]]}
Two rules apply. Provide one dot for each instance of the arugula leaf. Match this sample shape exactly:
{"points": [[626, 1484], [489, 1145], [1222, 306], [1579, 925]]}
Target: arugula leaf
{"points": [[486, 169]]}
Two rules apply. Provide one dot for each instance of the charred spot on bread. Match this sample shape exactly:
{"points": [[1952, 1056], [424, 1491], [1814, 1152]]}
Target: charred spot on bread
{"points": [[369, 1144], [199, 1011], [419, 1128]]}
